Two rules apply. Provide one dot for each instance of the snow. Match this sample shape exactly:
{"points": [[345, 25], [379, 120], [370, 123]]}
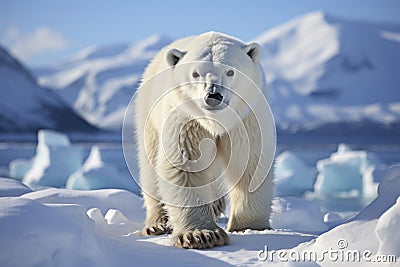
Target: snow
{"points": [[372, 230], [343, 172], [99, 228], [388, 191], [63, 227], [12, 188], [66, 227], [128, 203], [284, 43], [287, 211], [96, 174], [54, 161], [293, 176], [47, 236], [388, 223]]}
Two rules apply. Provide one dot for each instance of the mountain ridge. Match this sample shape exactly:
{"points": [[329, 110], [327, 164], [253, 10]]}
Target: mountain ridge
{"points": [[101, 87], [27, 107], [321, 70]]}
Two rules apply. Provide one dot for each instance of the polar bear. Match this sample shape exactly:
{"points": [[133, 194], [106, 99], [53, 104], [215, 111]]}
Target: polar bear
{"points": [[203, 132]]}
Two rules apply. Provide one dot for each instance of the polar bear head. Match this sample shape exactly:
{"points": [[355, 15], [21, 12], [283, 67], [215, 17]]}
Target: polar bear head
{"points": [[218, 76]]}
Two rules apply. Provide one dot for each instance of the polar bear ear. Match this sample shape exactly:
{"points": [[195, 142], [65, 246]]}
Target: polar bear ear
{"points": [[173, 56], [253, 50]]}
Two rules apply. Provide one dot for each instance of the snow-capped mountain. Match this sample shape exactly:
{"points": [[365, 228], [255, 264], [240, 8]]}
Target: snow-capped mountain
{"points": [[325, 70], [100, 82], [26, 107], [321, 71]]}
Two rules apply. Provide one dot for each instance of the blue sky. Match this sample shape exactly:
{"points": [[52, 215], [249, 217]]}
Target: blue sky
{"points": [[45, 31]]}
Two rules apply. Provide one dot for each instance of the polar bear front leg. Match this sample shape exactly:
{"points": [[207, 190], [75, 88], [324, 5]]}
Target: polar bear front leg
{"points": [[193, 225], [156, 215], [250, 210], [188, 203]]}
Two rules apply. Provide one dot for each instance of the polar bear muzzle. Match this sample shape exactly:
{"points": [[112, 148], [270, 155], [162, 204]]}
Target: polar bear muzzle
{"points": [[213, 100]]}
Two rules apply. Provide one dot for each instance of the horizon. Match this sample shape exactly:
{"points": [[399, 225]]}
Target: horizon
{"points": [[44, 32]]}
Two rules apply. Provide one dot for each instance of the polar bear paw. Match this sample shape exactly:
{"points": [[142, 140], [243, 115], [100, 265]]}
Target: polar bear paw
{"points": [[201, 239], [157, 229]]}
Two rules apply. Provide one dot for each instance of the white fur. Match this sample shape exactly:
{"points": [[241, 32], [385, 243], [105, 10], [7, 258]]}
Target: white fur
{"points": [[182, 144]]}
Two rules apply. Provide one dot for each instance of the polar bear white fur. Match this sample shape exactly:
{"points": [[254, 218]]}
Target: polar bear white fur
{"points": [[202, 129]]}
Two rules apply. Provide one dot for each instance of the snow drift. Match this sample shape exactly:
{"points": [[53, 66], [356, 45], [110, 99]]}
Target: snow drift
{"points": [[61, 227]]}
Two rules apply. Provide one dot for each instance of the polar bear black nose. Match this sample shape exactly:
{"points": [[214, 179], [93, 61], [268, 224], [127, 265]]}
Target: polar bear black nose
{"points": [[214, 99]]}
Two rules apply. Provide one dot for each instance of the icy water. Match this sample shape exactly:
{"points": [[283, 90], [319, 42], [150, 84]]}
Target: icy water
{"points": [[112, 153]]}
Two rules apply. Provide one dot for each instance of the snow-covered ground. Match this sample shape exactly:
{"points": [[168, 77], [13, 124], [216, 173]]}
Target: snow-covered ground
{"points": [[63, 227], [68, 227]]}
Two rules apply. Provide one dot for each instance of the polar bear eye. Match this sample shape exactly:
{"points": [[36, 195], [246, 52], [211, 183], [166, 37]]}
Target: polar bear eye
{"points": [[230, 73], [195, 74]]}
